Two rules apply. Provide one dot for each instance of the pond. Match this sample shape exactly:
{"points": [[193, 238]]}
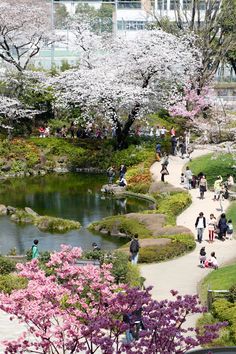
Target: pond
{"points": [[70, 196]]}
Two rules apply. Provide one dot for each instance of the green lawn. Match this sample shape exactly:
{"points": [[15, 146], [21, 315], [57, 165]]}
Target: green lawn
{"points": [[221, 279], [231, 213], [213, 165]]}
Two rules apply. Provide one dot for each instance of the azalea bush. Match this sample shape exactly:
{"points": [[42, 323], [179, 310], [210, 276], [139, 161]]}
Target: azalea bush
{"points": [[80, 308]]}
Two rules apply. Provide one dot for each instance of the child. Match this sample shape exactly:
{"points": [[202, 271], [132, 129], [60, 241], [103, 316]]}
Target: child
{"points": [[202, 257], [212, 227], [230, 229], [212, 263], [182, 178]]}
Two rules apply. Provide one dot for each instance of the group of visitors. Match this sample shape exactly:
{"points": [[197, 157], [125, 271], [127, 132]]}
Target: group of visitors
{"points": [[111, 173], [189, 180], [208, 263], [220, 228]]}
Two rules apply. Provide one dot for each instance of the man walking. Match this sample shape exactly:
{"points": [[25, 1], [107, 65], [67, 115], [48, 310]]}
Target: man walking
{"points": [[200, 225], [134, 249]]}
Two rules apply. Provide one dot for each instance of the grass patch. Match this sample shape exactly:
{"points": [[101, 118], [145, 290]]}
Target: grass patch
{"points": [[213, 165], [231, 213], [222, 279]]}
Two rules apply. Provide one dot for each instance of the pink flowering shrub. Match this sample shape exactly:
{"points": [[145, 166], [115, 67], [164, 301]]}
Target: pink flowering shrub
{"points": [[80, 309]]}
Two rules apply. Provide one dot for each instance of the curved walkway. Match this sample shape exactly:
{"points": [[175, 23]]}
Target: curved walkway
{"points": [[183, 273]]}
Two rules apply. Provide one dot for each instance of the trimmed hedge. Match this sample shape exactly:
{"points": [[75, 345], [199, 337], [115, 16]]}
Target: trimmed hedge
{"points": [[180, 244], [172, 204]]}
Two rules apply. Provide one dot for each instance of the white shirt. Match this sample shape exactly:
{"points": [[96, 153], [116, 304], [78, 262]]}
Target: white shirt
{"points": [[200, 224], [158, 132]]}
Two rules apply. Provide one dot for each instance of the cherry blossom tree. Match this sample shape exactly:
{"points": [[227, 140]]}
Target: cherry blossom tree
{"points": [[12, 111], [192, 103], [69, 308], [24, 28], [130, 78]]}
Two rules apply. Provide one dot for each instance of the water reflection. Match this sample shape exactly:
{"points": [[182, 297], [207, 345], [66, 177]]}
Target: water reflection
{"points": [[72, 196]]}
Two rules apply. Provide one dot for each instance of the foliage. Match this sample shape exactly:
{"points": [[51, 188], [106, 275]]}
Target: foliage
{"points": [[179, 245], [213, 165], [224, 278], [10, 282], [6, 265], [172, 204], [80, 308], [121, 224]]}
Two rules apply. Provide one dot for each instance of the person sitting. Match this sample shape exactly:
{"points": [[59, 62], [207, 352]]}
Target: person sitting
{"points": [[212, 262], [95, 247], [42, 132], [123, 182]]}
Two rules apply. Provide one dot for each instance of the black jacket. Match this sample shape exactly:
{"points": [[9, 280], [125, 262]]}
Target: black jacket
{"points": [[204, 221]]}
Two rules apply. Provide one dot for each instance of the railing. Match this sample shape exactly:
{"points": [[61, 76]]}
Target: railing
{"points": [[213, 295]]}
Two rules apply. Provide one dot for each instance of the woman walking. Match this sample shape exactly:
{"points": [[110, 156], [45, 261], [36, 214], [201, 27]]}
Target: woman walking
{"points": [[202, 186], [222, 226], [211, 228]]}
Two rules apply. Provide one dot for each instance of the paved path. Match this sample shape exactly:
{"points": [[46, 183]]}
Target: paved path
{"points": [[183, 273]]}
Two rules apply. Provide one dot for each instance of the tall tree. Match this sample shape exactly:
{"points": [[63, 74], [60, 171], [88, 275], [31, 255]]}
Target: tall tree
{"points": [[25, 27], [128, 78], [213, 22]]}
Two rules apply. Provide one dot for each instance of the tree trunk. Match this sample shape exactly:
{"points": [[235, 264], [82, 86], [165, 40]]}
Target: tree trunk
{"points": [[123, 133]]}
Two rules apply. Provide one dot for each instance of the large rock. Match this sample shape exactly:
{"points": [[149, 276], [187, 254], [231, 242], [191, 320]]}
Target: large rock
{"points": [[31, 211], [113, 189], [3, 209], [6, 168], [61, 170], [51, 224], [10, 210]]}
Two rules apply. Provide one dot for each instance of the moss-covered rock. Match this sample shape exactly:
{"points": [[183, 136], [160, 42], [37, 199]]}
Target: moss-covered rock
{"points": [[49, 223], [120, 226], [44, 223]]}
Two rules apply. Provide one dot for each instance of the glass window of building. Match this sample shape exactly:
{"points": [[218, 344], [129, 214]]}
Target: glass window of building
{"points": [[174, 4], [161, 4], [129, 4], [187, 4]]}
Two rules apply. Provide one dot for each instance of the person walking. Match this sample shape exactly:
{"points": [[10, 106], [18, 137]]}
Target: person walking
{"points": [[134, 249], [158, 151], [35, 251], [202, 257], [173, 145], [200, 225], [202, 186], [188, 177], [211, 227], [217, 187], [222, 226], [164, 172]]}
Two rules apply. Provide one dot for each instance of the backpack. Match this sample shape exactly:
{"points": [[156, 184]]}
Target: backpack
{"points": [[134, 246]]}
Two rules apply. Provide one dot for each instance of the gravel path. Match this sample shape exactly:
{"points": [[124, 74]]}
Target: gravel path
{"points": [[183, 273]]}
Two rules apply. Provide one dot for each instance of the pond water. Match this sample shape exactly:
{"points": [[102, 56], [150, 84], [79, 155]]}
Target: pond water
{"points": [[70, 196]]}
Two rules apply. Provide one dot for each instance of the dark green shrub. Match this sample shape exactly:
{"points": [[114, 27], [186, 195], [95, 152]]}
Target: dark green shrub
{"points": [[232, 293], [10, 282], [6, 265], [179, 245]]}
